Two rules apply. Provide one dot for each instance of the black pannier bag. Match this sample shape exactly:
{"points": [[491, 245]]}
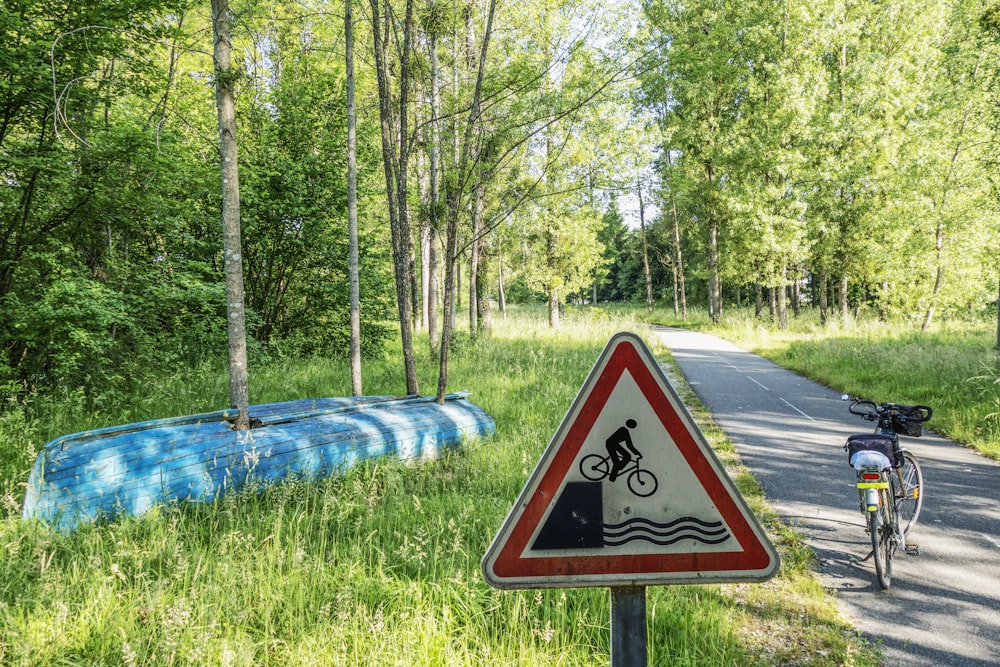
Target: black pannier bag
{"points": [[872, 442]]}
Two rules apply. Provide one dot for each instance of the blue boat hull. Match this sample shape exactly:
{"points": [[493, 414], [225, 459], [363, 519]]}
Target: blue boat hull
{"points": [[102, 474]]}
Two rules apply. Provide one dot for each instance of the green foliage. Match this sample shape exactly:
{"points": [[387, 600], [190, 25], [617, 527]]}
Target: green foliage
{"points": [[110, 247], [846, 141]]}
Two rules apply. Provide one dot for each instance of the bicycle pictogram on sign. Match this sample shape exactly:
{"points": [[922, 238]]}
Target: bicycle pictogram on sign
{"points": [[621, 453]]}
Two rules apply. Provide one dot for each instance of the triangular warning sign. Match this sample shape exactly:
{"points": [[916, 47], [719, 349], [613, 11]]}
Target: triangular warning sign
{"points": [[628, 492]]}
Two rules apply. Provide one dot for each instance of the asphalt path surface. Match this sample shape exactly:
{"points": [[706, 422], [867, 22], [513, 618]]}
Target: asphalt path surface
{"points": [[944, 604]]}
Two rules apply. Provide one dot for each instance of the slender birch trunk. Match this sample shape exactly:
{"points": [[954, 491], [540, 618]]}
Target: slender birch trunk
{"points": [[239, 394], [395, 166], [645, 249], [353, 268]]}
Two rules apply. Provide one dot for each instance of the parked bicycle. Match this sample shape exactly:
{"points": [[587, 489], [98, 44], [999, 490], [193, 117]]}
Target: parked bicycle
{"points": [[889, 481]]}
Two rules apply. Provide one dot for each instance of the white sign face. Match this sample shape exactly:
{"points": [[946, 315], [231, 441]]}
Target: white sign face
{"points": [[628, 493]]}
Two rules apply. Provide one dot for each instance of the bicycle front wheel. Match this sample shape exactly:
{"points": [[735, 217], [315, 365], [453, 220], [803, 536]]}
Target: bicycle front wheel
{"points": [[642, 483], [881, 529], [909, 494]]}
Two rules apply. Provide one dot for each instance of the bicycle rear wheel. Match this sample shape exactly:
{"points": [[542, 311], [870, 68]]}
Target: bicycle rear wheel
{"points": [[881, 529], [909, 496], [595, 467]]}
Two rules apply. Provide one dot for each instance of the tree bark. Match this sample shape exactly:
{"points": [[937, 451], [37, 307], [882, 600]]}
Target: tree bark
{"points": [[353, 268], [797, 294], [645, 248], [395, 166], [678, 258], [501, 289], [239, 394], [845, 312], [783, 300], [431, 297], [714, 282], [553, 294], [821, 291], [477, 221]]}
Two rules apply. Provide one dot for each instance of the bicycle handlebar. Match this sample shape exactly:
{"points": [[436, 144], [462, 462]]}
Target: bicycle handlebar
{"points": [[912, 413], [868, 414]]}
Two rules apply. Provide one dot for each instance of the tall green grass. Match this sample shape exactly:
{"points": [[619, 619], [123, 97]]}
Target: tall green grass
{"points": [[379, 566]]}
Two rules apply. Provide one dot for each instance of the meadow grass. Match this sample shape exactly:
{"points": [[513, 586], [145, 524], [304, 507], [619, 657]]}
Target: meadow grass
{"points": [[380, 565]]}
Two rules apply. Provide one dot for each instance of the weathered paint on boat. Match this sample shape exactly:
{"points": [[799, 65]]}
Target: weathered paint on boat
{"points": [[104, 473]]}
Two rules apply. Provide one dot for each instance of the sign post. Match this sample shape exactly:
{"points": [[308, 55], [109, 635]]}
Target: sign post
{"points": [[628, 626], [628, 493]]}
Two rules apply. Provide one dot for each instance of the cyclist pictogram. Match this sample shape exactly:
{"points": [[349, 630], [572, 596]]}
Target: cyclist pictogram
{"points": [[621, 453]]}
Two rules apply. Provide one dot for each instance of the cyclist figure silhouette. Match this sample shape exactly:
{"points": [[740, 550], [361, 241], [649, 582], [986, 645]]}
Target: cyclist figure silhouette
{"points": [[621, 449]]}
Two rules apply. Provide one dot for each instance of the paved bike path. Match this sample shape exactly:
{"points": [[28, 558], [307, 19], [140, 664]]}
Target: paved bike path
{"points": [[944, 605]]}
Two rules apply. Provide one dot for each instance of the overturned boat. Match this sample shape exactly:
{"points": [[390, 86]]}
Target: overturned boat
{"points": [[104, 473]]}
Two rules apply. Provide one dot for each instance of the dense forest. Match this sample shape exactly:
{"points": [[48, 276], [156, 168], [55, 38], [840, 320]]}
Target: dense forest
{"points": [[838, 156]]}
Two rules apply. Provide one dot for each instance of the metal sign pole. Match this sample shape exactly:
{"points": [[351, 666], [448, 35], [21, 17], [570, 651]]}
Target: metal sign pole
{"points": [[628, 626]]}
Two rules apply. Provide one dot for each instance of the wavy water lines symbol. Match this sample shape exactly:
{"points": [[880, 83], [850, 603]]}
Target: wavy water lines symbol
{"points": [[663, 534]]}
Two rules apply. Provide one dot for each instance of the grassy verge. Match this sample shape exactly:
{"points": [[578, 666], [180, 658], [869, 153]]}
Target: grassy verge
{"points": [[379, 566]]}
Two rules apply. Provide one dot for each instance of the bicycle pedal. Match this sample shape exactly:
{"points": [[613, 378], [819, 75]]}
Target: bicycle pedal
{"points": [[912, 549]]}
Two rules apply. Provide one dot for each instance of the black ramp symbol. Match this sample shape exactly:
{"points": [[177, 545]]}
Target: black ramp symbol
{"points": [[684, 528], [576, 520]]}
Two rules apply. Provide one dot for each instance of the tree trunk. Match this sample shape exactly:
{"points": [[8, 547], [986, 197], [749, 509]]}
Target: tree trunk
{"points": [[239, 394], [431, 296], [797, 295], [845, 312], [553, 294], [411, 271], [352, 206], [678, 259], [938, 277], [676, 289], [425, 271], [714, 281], [824, 302], [456, 288], [395, 166], [883, 302], [483, 309], [645, 249], [783, 300], [477, 221], [501, 289]]}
